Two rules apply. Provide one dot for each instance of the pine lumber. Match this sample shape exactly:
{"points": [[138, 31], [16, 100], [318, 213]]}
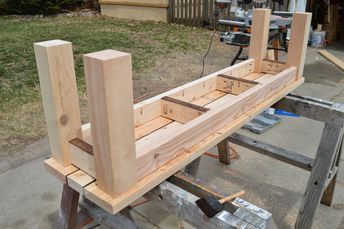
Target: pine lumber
{"points": [[333, 59]]}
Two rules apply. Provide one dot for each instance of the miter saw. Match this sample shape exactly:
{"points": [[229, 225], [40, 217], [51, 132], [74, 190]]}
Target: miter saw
{"points": [[237, 31]]}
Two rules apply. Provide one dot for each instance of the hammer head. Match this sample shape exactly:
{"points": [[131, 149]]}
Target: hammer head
{"points": [[210, 206]]}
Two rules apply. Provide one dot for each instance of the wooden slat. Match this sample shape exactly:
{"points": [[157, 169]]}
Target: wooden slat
{"points": [[259, 36], [151, 126], [233, 85], [298, 41], [273, 67], [79, 180], [59, 171], [332, 58], [110, 98], [208, 98], [179, 110], [113, 205], [60, 97]]}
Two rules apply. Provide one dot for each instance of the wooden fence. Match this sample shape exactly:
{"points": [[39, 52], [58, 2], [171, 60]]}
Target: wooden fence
{"points": [[194, 12]]}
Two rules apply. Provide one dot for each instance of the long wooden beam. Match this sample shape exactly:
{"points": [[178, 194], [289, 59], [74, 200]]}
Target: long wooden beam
{"points": [[145, 184]]}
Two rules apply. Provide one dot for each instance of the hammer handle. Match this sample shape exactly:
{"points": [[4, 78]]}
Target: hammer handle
{"points": [[231, 197]]}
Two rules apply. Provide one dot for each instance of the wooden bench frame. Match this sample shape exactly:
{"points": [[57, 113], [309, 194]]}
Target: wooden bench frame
{"points": [[114, 164]]}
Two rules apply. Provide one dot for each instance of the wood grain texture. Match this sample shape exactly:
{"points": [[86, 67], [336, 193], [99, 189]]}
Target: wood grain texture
{"points": [[68, 208], [329, 145], [59, 171], [332, 58], [259, 37], [55, 66], [113, 205], [226, 110], [78, 180], [179, 110], [273, 67], [298, 41], [110, 98], [233, 85]]}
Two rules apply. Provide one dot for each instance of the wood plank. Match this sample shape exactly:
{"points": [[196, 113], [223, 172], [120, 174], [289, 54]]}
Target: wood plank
{"points": [[82, 160], [150, 109], [78, 180], [179, 110], [209, 122], [224, 152], [113, 205], [233, 85], [253, 76], [55, 66], [332, 59], [151, 126], [110, 98], [328, 147], [276, 152], [298, 41], [317, 109], [273, 67], [59, 171], [208, 98], [68, 208], [259, 36]]}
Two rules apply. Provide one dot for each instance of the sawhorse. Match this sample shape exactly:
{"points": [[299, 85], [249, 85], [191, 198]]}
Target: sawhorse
{"points": [[323, 168]]}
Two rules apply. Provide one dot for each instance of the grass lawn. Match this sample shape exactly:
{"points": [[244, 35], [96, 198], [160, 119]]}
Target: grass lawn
{"points": [[21, 112]]}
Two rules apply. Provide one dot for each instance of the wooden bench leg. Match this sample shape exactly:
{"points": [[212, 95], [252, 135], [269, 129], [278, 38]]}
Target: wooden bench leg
{"points": [[224, 152], [69, 208], [330, 143]]}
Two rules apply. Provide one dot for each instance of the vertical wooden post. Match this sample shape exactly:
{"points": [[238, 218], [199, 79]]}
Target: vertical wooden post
{"points": [[259, 36], [298, 41], [60, 97], [69, 208], [224, 152], [110, 99]]}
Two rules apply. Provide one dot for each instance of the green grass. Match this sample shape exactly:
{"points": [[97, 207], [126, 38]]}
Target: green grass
{"points": [[21, 114]]}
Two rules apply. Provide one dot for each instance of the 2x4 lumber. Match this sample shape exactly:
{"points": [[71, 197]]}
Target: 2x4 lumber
{"points": [[332, 58], [110, 97], [58, 170], [276, 152], [151, 126], [313, 108], [273, 67], [259, 37], [198, 129], [55, 66], [298, 41], [179, 110], [150, 109], [160, 146], [208, 98], [113, 205], [78, 180], [233, 85]]}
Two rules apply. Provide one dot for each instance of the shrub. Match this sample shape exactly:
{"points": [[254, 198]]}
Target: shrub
{"points": [[36, 6]]}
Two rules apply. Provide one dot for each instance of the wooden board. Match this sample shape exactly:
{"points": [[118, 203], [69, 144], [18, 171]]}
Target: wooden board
{"points": [[332, 58], [110, 99], [55, 65], [113, 205]]}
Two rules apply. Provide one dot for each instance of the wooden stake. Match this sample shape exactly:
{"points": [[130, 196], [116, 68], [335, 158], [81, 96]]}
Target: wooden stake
{"points": [[298, 41], [259, 37], [60, 97], [110, 97]]}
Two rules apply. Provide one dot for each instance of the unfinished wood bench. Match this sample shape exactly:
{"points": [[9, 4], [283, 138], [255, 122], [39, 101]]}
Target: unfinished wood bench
{"points": [[126, 150]]}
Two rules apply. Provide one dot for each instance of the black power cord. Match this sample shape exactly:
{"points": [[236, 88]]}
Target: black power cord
{"points": [[206, 54]]}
